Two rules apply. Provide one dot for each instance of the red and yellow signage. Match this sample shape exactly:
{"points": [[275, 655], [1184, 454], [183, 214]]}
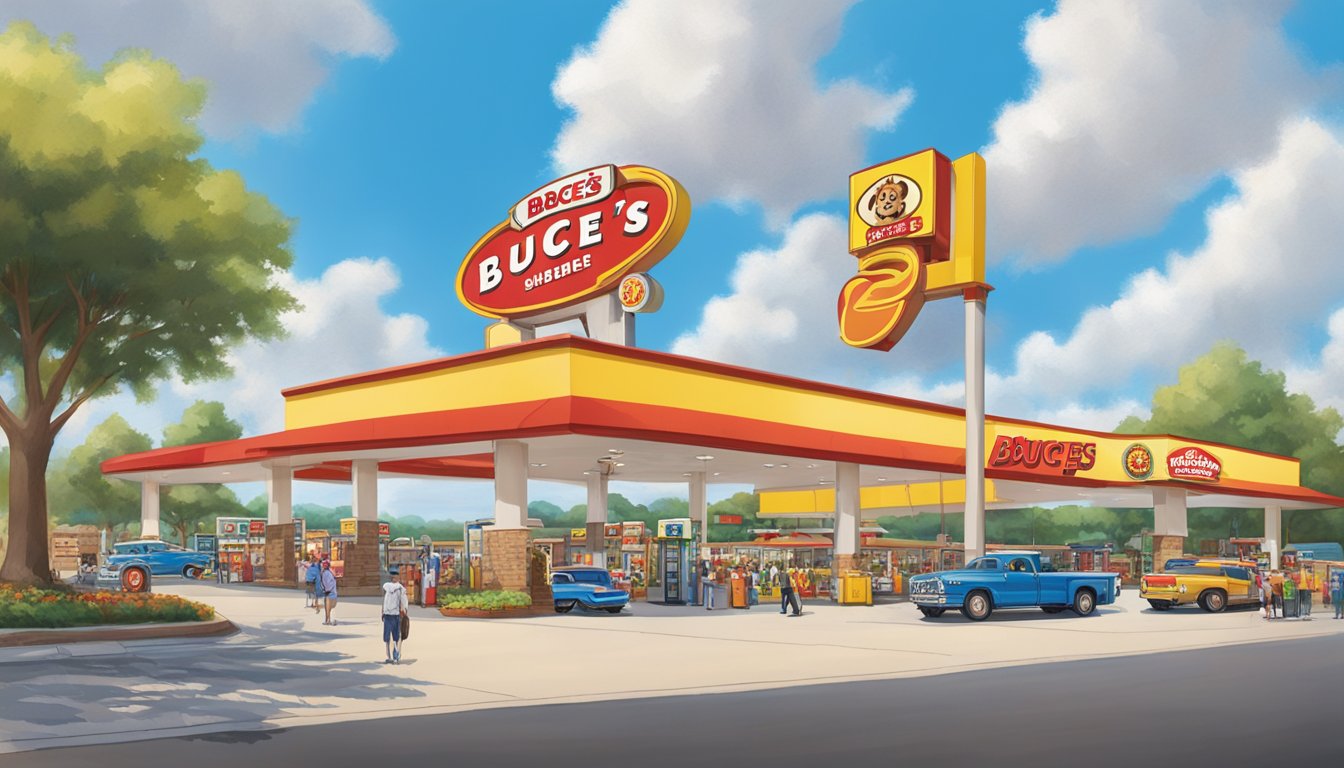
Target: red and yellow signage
{"points": [[910, 246], [1050, 457], [573, 239], [1190, 463]]}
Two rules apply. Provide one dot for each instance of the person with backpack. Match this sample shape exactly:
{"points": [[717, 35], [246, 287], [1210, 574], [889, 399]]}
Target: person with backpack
{"points": [[328, 581], [310, 575], [395, 604]]}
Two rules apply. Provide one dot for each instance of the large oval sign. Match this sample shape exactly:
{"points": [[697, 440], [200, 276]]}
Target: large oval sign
{"points": [[574, 239]]}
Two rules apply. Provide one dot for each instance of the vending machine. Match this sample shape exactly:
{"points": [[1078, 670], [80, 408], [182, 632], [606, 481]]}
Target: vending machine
{"points": [[677, 539]]}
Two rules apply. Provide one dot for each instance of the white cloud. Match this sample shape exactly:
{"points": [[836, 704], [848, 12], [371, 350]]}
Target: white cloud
{"points": [[1136, 106], [263, 60], [1323, 380], [341, 329], [722, 94], [780, 315], [1268, 269]]}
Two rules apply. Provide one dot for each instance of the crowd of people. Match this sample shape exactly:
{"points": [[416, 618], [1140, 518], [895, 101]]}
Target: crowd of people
{"points": [[1291, 593], [756, 576], [321, 595]]}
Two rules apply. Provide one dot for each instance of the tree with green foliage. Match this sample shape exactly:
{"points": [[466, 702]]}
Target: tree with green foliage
{"points": [[124, 258], [1225, 397], [185, 507], [81, 495]]}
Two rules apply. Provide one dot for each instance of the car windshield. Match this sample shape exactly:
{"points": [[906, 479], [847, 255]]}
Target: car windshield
{"points": [[591, 577]]}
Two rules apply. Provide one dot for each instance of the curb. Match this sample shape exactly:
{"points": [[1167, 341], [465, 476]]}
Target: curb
{"points": [[110, 632]]}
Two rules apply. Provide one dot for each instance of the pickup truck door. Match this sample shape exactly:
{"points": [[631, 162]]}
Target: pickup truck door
{"points": [[1022, 585]]}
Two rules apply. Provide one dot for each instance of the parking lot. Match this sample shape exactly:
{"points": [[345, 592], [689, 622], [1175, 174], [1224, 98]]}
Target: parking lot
{"points": [[286, 669]]}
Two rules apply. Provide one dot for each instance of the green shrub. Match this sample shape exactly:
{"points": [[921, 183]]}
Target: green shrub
{"points": [[491, 600]]}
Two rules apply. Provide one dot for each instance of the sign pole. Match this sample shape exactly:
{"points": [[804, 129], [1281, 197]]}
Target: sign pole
{"points": [[975, 299]]}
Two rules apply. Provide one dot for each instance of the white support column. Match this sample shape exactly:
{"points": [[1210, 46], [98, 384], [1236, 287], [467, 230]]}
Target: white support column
{"points": [[1169, 518], [510, 485], [847, 515], [364, 491], [279, 495], [149, 509], [597, 517], [1274, 535], [606, 321], [699, 496], [975, 422]]}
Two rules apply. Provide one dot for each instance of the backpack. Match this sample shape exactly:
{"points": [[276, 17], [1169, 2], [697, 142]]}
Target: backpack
{"points": [[405, 626]]}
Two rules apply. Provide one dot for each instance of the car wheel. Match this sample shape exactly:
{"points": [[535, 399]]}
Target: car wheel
{"points": [[1161, 605], [1084, 602], [977, 607], [615, 609], [1051, 608], [1213, 601], [134, 580], [191, 572], [564, 606]]}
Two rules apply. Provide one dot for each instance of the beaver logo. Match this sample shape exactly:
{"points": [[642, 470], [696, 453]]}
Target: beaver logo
{"points": [[890, 199]]}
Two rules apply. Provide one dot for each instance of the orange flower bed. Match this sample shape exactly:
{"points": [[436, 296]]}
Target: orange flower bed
{"points": [[28, 607]]}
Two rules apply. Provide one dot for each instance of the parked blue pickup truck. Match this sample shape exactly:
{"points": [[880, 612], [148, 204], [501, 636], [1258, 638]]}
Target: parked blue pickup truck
{"points": [[1011, 580]]}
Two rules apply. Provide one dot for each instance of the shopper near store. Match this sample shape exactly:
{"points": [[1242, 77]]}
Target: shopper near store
{"points": [[1262, 586], [1305, 589], [707, 585], [310, 576], [319, 592], [1290, 606], [1276, 590], [328, 591], [1337, 590], [754, 588], [395, 605], [787, 595]]}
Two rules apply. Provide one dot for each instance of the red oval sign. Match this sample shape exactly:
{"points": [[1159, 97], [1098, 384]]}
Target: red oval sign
{"points": [[578, 251]]}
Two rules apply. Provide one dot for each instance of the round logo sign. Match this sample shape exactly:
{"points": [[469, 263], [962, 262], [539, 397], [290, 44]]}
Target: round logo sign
{"points": [[573, 239], [1138, 461], [639, 293], [888, 200]]}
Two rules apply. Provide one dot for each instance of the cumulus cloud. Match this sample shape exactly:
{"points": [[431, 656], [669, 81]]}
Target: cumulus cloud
{"points": [[1136, 106], [341, 328], [780, 314], [1323, 378], [721, 94], [1267, 270], [263, 60]]}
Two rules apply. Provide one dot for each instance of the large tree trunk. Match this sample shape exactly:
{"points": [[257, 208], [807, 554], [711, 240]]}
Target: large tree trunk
{"points": [[27, 561]]}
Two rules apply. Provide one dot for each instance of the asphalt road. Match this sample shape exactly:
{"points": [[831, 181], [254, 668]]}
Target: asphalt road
{"points": [[1263, 705]]}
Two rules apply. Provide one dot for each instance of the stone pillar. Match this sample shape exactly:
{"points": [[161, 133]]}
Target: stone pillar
{"points": [[699, 495], [597, 518], [363, 569], [1274, 535], [847, 517], [149, 509], [364, 489], [280, 495], [504, 545], [281, 567]]}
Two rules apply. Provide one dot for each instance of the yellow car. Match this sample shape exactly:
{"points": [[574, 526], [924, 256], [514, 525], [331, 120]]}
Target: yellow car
{"points": [[1212, 584]]}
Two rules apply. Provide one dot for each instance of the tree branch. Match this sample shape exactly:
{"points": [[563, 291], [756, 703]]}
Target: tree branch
{"points": [[84, 396]]}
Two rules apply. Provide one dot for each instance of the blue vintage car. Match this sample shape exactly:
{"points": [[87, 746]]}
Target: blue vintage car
{"points": [[131, 561], [1011, 580], [586, 586]]}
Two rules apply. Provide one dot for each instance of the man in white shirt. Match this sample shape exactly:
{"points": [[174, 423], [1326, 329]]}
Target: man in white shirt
{"points": [[395, 604]]}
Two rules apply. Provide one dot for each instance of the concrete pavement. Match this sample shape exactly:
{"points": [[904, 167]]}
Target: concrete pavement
{"points": [[1214, 707], [286, 669]]}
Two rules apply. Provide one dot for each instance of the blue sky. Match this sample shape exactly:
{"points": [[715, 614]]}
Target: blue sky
{"points": [[1163, 175]]}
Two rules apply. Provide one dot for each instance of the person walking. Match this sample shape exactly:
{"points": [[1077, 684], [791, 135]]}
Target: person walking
{"points": [[395, 604], [754, 590], [1337, 589], [1305, 590], [311, 572], [1262, 586], [707, 585], [787, 595], [319, 592], [328, 591], [1276, 594]]}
